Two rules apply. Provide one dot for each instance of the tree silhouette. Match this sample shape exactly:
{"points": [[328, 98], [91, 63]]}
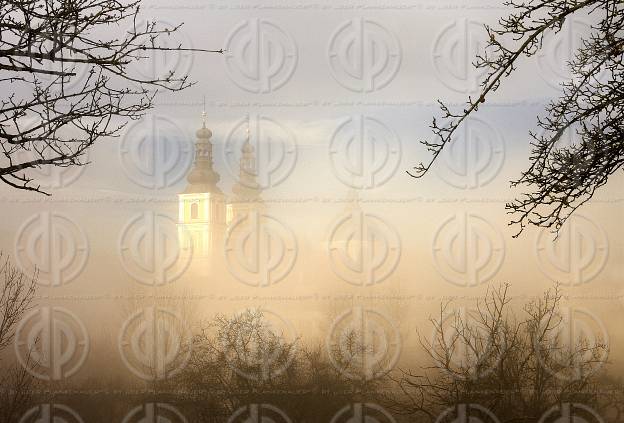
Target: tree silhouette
{"points": [[516, 365], [17, 292], [560, 179], [67, 81], [241, 359]]}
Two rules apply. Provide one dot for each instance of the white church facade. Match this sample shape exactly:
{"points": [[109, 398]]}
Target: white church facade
{"points": [[204, 211]]}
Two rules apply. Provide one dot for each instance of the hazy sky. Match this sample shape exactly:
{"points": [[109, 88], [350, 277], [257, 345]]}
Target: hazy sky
{"points": [[311, 75]]}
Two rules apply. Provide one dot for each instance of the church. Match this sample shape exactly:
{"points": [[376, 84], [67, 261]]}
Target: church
{"points": [[204, 211]]}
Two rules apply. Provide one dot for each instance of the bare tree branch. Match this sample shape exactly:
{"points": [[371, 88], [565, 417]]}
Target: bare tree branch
{"points": [[66, 86], [561, 178]]}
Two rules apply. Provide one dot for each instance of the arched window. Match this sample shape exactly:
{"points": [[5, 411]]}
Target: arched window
{"points": [[194, 211]]}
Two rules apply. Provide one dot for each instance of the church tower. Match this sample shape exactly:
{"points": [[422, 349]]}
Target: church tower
{"points": [[202, 204], [246, 191]]}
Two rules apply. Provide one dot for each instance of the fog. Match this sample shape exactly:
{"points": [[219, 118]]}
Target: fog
{"points": [[109, 242]]}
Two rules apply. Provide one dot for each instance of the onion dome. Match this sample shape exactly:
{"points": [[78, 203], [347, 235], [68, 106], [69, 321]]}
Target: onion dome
{"points": [[203, 178]]}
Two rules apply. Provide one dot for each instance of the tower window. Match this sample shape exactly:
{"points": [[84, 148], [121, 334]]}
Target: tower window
{"points": [[194, 211]]}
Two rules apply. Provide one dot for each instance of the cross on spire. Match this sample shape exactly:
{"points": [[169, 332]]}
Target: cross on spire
{"points": [[204, 114], [247, 130]]}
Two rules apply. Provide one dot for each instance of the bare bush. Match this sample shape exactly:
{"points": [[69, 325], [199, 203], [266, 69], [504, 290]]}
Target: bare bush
{"points": [[518, 367], [17, 292]]}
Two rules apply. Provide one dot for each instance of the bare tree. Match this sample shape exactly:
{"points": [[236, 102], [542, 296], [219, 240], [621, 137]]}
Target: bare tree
{"points": [[516, 367], [242, 359], [65, 71], [16, 296], [560, 178], [236, 358]]}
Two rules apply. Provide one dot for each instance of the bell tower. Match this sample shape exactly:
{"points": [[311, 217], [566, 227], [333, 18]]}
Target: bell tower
{"points": [[202, 204], [246, 191]]}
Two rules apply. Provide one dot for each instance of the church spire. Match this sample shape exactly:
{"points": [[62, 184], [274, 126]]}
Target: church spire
{"points": [[203, 178], [247, 188]]}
